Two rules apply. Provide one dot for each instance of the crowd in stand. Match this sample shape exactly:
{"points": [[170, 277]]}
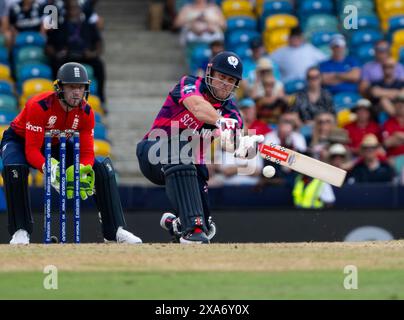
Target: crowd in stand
{"points": [[35, 41], [310, 83]]}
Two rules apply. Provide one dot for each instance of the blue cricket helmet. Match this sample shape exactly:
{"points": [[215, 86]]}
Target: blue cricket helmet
{"points": [[228, 63]]}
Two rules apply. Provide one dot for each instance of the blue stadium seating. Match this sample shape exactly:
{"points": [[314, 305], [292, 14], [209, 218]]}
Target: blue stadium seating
{"points": [[7, 116], [34, 70], [274, 7], [241, 22], [237, 37], [28, 38], [308, 8], [361, 37], [100, 132], [4, 56], [320, 38], [8, 103], [395, 23], [345, 100], [365, 53], [6, 87], [369, 22], [243, 51], [294, 86]]}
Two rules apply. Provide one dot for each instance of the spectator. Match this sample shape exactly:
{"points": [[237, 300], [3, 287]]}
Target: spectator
{"points": [[77, 40], [338, 156], [200, 21], [264, 68], [286, 134], [371, 167], [312, 100], [310, 193], [364, 124], [259, 60], [340, 73], [373, 70], [324, 123], [249, 113], [216, 47], [384, 91], [272, 104], [393, 134], [295, 58], [24, 15]]}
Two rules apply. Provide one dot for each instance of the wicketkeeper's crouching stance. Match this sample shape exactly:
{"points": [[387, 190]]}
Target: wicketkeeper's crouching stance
{"points": [[200, 106], [22, 147]]}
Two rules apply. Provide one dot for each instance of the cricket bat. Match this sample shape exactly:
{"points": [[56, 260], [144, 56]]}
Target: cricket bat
{"points": [[301, 163]]}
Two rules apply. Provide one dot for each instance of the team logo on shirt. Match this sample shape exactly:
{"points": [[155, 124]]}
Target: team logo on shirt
{"points": [[189, 88], [233, 61], [75, 124], [51, 122]]}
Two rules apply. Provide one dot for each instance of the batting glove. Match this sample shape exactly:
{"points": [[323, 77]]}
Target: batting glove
{"points": [[248, 146]]}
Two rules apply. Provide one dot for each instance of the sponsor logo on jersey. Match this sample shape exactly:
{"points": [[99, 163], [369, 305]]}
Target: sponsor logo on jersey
{"points": [[30, 127], [189, 88]]}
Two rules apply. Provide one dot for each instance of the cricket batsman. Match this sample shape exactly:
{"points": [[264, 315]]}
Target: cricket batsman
{"points": [[22, 147], [199, 105]]}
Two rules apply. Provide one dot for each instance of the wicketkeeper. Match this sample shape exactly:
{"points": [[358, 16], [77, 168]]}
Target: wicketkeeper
{"points": [[22, 147]]}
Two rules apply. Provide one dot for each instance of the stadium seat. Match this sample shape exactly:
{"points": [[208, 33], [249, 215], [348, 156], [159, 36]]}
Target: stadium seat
{"points": [[98, 117], [308, 8], [100, 132], [345, 100], [281, 21], [396, 23], [320, 22], [320, 38], [363, 6], [31, 70], [7, 116], [6, 87], [102, 148], [271, 8], [30, 54], [365, 53], [5, 72], [29, 38], [95, 104], [238, 37], [398, 37], [276, 38], [232, 8], [369, 22], [294, 86], [36, 85], [3, 128], [243, 51], [94, 87], [2, 40], [361, 37], [90, 70], [390, 8], [4, 56], [200, 53], [241, 22], [8, 103]]}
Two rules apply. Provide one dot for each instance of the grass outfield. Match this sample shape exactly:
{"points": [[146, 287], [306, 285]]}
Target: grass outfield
{"points": [[221, 271]]}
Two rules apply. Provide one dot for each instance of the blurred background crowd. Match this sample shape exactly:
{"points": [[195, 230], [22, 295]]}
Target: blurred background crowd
{"points": [[316, 80], [32, 48]]}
